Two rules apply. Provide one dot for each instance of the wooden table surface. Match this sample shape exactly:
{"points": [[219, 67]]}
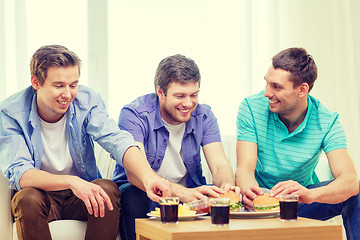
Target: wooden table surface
{"points": [[266, 228]]}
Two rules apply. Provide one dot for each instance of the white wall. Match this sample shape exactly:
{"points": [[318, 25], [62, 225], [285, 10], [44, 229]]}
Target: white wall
{"points": [[232, 41]]}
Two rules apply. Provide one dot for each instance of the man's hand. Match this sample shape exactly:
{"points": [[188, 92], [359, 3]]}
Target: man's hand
{"points": [[158, 188], [92, 195], [291, 187], [227, 187], [249, 188], [191, 194]]}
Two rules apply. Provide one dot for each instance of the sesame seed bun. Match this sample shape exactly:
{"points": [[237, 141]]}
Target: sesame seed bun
{"points": [[234, 198], [235, 204], [266, 203]]}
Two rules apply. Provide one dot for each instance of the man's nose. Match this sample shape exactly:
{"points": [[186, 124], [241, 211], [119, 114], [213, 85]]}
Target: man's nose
{"points": [[66, 93], [267, 92], [187, 102]]}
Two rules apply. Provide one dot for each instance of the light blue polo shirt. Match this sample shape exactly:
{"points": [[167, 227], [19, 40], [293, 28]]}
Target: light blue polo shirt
{"points": [[283, 156]]}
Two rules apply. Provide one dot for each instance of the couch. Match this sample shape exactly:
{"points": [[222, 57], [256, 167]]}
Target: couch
{"points": [[75, 230]]}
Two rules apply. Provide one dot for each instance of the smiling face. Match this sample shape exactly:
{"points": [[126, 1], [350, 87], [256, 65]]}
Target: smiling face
{"points": [[57, 92], [179, 102], [284, 99]]}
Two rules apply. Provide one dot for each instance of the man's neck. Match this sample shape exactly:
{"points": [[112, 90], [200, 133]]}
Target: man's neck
{"points": [[296, 118]]}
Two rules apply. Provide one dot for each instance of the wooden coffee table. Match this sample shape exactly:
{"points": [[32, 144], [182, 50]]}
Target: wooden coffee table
{"points": [[267, 228]]}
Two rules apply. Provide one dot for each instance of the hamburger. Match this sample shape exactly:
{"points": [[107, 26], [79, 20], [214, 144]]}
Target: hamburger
{"points": [[264, 203], [235, 204]]}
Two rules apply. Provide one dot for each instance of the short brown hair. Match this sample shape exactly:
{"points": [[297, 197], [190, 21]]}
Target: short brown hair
{"points": [[51, 56], [177, 68], [299, 63]]}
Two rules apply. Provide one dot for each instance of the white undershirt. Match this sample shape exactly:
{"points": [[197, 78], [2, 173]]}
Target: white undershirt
{"points": [[172, 167], [56, 157]]}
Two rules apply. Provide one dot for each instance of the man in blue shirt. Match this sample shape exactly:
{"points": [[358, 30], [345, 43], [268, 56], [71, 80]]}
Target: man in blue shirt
{"points": [[47, 151], [281, 133], [171, 128]]}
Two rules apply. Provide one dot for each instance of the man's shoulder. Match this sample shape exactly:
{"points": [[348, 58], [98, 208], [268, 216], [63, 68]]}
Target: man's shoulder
{"points": [[144, 104], [86, 97], [18, 103], [322, 113], [257, 103], [202, 109]]}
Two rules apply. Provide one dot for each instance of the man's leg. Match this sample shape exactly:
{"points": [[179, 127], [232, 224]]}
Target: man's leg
{"points": [[97, 227], [349, 210], [30, 208], [134, 204]]}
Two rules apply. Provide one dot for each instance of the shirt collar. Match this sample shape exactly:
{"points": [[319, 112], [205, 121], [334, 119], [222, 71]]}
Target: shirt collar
{"points": [[301, 127], [34, 116]]}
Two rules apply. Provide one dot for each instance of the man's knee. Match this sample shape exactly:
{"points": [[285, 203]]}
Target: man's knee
{"points": [[110, 188], [30, 200], [106, 184]]}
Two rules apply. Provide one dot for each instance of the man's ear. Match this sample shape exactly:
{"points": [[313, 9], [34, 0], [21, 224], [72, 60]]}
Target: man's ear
{"points": [[35, 83], [159, 91], [303, 89]]}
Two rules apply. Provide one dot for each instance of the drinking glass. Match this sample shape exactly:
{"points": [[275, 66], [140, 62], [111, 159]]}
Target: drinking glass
{"points": [[288, 207], [220, 211], [169, 207]]}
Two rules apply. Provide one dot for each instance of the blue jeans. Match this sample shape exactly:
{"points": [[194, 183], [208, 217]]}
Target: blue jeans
{"points": [[134, 204], [323, 211]]}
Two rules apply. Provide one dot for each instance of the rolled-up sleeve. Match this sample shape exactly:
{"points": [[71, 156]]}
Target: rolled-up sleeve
{"points": [[211, 131], [131, 122], [106, 132], [15, 157]]}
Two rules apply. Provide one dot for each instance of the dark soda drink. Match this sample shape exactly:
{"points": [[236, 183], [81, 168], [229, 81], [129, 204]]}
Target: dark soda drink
{"points": [[169, 213], [220, 214], [288, 210]]}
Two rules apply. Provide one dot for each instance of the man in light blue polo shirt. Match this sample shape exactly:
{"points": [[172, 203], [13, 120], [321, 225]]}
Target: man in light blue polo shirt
{"points": [[171, 128], [281, 133]]}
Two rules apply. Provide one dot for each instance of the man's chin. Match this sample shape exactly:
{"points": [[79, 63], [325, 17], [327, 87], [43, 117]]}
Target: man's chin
{"points": [[273, 109], [184, 119]]}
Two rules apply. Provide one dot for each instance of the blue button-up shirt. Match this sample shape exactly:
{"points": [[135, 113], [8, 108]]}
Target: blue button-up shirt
{"points": [[143, 120], [21, 145]]}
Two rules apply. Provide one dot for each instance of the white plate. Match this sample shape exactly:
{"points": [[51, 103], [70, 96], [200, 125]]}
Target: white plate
{"points": [[188, 217], [253, 214]]}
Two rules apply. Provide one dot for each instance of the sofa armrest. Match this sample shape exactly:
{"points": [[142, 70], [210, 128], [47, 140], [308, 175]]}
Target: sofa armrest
{"points": [[5, 215], [104, 162]]}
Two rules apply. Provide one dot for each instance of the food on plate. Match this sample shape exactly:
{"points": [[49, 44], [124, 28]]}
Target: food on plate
{"points": [[266, 203], [235, 204], [184, 210], [200, 206]]}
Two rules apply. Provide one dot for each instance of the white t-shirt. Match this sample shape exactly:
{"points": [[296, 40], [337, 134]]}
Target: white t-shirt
{"points": [[56, 157], [172, 167]]}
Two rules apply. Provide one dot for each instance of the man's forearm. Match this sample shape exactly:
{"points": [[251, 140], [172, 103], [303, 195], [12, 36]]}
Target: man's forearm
{"points": [[45, 181], [224, 176], [338, 190], [138, 169]]}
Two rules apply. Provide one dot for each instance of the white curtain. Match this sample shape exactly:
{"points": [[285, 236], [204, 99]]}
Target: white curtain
{"points": [[232, 41]]}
